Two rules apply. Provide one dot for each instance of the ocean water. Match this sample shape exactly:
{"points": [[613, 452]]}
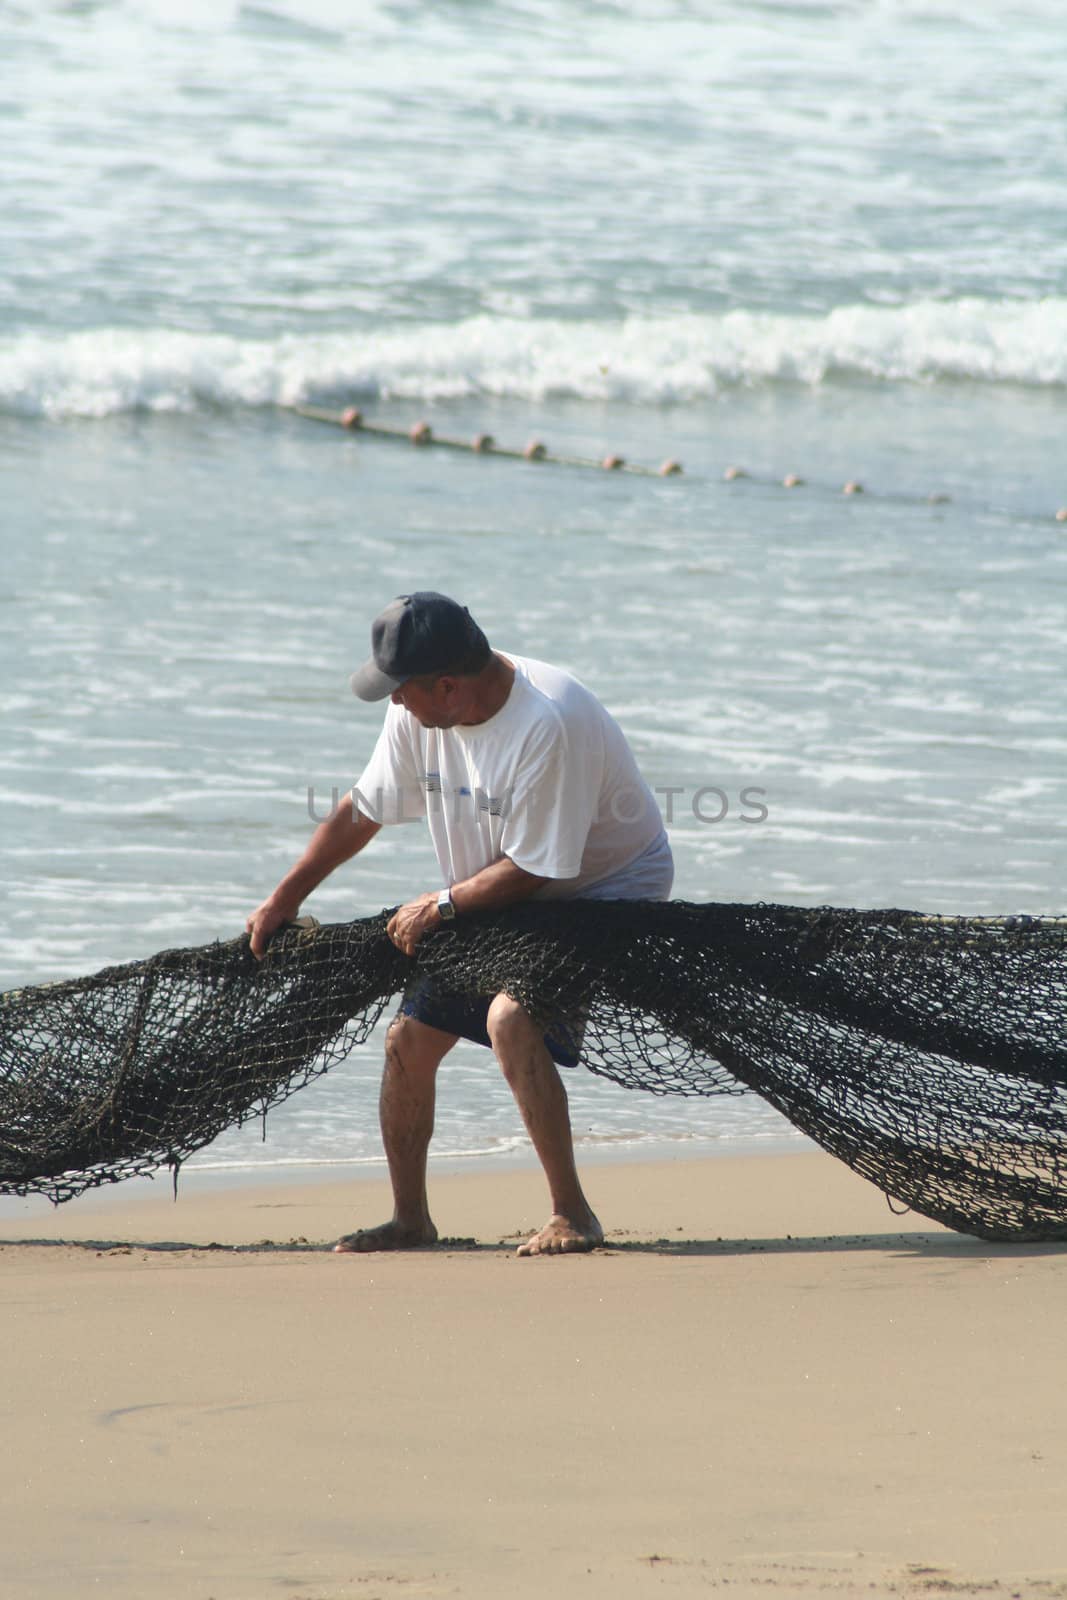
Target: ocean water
{"points": [[825, 240]]}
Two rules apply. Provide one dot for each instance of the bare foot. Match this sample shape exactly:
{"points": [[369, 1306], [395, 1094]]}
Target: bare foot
{"points": [[389, 1236], [560, 1236]]}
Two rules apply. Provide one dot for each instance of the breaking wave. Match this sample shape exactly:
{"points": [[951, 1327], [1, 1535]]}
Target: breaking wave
{"points": [[644, 360]]}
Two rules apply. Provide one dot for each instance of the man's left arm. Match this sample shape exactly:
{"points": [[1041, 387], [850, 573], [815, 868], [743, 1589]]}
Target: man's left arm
{"points": [[502, 883]]}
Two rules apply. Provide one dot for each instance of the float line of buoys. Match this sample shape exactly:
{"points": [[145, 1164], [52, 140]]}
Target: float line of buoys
{"points": [[483, 444], [422, 436]]}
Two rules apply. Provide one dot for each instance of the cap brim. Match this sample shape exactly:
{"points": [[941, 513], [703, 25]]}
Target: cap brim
{"points": [[370, 683]]}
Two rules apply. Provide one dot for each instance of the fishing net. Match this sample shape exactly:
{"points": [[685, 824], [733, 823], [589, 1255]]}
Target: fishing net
{"points": [[928, 1053]]}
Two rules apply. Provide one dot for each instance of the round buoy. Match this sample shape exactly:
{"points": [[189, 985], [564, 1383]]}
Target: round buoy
{"points": [[670, 468], [535, 451], [482, 442], [792, 481], [852, 487], [352, 417], [612, 463], [421, 433], [1061, 515], [734, 472]]}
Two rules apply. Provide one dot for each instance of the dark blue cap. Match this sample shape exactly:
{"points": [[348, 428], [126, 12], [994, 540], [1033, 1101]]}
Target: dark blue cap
{"points": [[417, 634]]}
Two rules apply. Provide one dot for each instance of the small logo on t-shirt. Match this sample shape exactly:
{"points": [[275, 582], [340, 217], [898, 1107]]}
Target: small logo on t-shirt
{"points": [[496, 806], [489, 805]]}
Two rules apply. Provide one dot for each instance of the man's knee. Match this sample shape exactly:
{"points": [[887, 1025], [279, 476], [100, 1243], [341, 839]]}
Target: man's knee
{"points": [[507, 1016], [512, 1032], [416, 1046]]}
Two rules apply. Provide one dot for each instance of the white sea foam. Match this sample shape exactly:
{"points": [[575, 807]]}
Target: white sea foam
{"points": [[644, 360]]}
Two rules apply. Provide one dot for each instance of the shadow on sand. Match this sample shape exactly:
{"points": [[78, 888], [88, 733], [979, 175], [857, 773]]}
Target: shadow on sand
{"points": [[950, 1245]]}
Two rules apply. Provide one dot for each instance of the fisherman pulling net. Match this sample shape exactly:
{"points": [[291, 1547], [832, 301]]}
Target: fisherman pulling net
{"points": [[928, 1053]]}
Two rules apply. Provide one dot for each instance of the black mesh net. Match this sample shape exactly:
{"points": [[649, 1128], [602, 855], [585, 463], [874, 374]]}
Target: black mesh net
{"points": [[928, 1053]]}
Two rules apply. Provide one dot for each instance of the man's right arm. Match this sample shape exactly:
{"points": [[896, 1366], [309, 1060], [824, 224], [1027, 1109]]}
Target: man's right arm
{"points": [[338, 839]]}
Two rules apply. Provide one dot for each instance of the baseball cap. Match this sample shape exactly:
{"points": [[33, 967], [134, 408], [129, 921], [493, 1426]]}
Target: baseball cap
{"points": [[417, 633]]}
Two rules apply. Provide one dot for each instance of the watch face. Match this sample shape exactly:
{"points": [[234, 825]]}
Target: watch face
{"points": [[445, 906]]}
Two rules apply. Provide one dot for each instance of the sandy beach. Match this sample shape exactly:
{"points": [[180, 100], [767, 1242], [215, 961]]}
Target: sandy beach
{"points": [[766, 1381]]}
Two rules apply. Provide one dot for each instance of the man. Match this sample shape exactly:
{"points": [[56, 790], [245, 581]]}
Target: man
{"points": [[530, 790]]}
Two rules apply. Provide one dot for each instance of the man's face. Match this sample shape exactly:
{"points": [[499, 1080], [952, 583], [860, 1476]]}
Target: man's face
{"points": [[432, 702]]}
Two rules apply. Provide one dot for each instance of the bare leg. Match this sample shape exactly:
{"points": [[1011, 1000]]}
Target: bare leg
{"points": [[413, 1053], [542, 1099]]}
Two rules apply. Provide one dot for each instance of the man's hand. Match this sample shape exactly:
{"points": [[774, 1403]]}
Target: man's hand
{"points": [[502, 883], [407, 926], [275, 910]]}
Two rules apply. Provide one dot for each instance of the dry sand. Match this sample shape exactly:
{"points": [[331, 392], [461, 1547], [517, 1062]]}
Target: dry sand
{"points": [[766, 1382]]}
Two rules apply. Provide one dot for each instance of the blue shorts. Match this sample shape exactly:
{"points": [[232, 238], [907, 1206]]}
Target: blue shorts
{"points": [[466, 1014]]}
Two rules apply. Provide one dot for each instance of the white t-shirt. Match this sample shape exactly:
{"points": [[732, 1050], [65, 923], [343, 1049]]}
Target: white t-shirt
{"points": [[548, 781]]}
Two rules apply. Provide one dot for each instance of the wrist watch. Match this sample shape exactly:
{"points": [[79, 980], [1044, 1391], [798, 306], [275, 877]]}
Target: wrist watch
{"points": [[445, 908]]}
